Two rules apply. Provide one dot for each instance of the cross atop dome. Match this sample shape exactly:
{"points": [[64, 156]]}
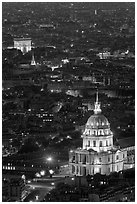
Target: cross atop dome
{"points": [[97, 108]]}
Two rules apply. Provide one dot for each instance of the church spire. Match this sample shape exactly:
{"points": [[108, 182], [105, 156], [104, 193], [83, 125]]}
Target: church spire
{"points": [[33, 60], [97, 97], [97, 108]]}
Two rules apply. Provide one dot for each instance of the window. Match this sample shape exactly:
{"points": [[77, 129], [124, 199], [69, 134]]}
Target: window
{"points": [[108, 159], [117, 167], [94, 143], [100, 170], [117, 157], [123, 156], [89, 143], [100, 144], [100, 160], [106, 143]]}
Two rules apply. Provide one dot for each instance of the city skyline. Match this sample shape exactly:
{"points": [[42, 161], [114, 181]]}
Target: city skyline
{"points": [[68, 101]]}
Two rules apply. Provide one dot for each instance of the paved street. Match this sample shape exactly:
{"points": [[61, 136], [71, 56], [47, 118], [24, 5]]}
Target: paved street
{"points": [[40, 187]]}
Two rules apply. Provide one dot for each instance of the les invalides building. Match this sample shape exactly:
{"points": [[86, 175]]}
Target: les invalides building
{"points": [[98, 154]]}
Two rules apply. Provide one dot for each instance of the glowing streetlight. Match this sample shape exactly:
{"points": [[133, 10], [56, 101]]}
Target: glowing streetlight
{"points": [[49, 159], [42, 173], [51, 172], [38, 175]]}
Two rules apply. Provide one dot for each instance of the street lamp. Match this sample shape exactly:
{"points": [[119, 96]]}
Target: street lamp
{"points": [[42, 173], [51, 172], [49, 159]]}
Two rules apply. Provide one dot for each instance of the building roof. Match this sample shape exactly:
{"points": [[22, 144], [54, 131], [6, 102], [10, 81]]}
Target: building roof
{"points": [[127, 142]]}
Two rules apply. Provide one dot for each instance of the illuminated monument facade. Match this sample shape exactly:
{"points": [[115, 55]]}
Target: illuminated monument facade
{"points": [[23, 44], [98, 154]]}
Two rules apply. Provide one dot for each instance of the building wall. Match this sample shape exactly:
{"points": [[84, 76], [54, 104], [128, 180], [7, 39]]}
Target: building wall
{"points": [[104, 163]]}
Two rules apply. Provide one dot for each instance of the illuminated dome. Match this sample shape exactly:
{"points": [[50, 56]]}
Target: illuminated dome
{"points": [[97, 121]]}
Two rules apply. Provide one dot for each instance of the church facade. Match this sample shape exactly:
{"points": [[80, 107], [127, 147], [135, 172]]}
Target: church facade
{"points": [[98, 154]]}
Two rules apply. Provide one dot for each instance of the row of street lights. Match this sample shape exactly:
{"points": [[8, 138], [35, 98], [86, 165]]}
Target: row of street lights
{"points": [[42, 172]]}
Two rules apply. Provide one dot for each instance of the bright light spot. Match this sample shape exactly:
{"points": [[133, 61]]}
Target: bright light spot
{"points": [[72, 45], [37, 175], [51, 171], [52, 184], [42, 173], [37, 197], [23, 177], [29, 181], [72, 179], [69, 137], [49, 159], [65, 61]]}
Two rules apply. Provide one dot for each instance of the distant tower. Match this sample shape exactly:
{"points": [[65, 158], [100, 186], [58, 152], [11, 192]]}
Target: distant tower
{"points": [[93, 78], [104, 81], [108, 81], [95, 12], [33, 63]]}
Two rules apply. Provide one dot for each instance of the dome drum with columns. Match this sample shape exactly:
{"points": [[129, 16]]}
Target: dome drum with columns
{"points": [[98, 154]]}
